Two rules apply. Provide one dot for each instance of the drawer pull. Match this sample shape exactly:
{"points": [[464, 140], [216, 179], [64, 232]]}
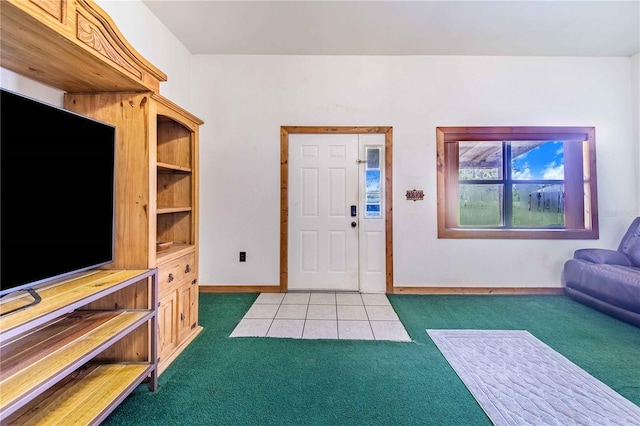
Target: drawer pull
{"points": [[187, 269], [170, 277]]}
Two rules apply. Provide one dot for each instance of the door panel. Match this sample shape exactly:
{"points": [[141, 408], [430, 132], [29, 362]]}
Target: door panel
{"points": [[373, 257], [337, 251], [323, 184]]}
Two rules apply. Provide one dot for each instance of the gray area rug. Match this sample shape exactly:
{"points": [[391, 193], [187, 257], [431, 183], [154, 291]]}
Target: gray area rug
{"points": [[518, 380]]}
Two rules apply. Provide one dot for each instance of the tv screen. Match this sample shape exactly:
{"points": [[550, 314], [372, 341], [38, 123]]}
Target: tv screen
{"points": [[57, 193]]}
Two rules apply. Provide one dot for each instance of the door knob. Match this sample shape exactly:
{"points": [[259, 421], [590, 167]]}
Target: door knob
{"points": [[353, 224]]}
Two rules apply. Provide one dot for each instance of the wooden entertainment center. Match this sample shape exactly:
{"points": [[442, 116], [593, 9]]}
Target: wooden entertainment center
{"points": [[74, 46]]}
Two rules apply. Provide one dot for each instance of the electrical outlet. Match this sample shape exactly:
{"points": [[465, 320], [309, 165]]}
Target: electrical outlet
{"points": [[243, 256]]}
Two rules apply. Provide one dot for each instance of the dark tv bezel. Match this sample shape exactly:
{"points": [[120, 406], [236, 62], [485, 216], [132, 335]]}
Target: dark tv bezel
{"points": [[33, 286]]}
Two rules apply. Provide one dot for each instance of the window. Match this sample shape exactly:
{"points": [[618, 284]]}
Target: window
{"points": [[373, 184], [517, 182]]}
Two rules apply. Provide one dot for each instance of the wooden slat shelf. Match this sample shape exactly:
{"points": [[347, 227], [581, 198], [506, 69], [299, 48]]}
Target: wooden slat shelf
{"points": [[32, 369], [68, 295], [172, 168], [84, 399], [46, 350], [167, 210]]}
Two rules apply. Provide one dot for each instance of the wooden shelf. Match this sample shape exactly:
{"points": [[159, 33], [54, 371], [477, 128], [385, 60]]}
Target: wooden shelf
{"points": [[92, 318], [70, 402], [64, 297], [167, 210], [175, 251], [33, 366], [172, 168]]}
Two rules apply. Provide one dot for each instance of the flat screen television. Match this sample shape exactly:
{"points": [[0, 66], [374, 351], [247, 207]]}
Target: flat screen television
{"points": [[57, 193]]}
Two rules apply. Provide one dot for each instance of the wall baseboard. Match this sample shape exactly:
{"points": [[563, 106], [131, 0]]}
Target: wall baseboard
{"points": [[399, 290], [479, 290], [239, 289]]}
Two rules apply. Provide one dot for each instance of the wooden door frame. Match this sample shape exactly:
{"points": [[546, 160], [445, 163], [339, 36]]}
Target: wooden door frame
{"points": [[285, 131]]}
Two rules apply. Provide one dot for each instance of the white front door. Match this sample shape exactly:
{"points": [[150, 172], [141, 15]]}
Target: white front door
{"points": [[323, 235], [336, 212]]}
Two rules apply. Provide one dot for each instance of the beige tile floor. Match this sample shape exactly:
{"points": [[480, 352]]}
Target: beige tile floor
{"points": [[322, 315]]}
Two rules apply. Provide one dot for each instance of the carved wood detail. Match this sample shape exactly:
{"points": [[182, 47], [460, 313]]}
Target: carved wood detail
{"points": [[55, 8], [92, 35], [72, 45]]}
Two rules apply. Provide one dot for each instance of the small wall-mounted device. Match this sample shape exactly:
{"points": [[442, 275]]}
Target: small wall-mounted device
{"points": [[243, 256]]}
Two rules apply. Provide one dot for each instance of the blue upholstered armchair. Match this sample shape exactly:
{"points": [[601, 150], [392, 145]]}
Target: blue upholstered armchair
{"points": [[608, 280]]}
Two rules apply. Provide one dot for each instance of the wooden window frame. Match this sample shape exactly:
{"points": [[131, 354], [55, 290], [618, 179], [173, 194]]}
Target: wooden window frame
{"points": [[580, 178]]}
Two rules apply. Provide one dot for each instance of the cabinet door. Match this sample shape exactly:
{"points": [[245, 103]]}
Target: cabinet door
{"points": [[193, 307], [186, 301], [167, 324]]}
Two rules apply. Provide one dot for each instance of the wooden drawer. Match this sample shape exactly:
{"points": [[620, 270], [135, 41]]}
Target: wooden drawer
{"points": [[174, 273], [168, 277], [189, 268]]}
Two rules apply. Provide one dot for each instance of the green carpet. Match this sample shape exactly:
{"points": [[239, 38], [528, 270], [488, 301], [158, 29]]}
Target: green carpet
{"points": [[219, 380]]}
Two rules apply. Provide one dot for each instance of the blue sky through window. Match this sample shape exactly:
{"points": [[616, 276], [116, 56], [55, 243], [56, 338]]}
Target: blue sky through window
{"points": [[545, 161]]}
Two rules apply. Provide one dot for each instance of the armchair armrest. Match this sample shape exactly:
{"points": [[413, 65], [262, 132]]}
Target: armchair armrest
{"points": [[610, 257]]}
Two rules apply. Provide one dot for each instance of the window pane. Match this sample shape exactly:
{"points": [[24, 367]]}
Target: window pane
{"points": [[480, 160], [373, 198], [537, 160], [373, 184], [481, 205], [373, 158], [373, 181], [373, 210], [538, 205]]}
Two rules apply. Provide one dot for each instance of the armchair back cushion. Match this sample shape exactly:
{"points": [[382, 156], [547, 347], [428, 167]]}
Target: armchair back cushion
{"points": [[634, 253], [630, 243], [597, 255]]}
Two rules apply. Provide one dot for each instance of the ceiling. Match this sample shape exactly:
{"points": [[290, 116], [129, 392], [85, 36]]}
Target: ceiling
{"points": [[333, 27]]}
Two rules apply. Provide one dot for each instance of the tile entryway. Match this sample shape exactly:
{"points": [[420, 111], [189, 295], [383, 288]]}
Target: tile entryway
{"points": [[322, 315]]}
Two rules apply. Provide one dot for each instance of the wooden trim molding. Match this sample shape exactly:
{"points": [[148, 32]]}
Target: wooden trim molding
{"points": [[480, 290], [284, 208], [400, 290], [239, 289], [388, 156], [284, 191]]}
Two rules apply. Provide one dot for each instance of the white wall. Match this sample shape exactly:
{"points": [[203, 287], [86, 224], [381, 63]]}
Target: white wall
{"points": [[144, 31], [33, 89], [246, 99], [635, 85]]}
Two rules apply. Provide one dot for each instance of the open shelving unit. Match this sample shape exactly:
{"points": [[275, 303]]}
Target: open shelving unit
{"points": [[159, 139], [142, 310], [82, 336], [177, 222], [175, 176]]}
